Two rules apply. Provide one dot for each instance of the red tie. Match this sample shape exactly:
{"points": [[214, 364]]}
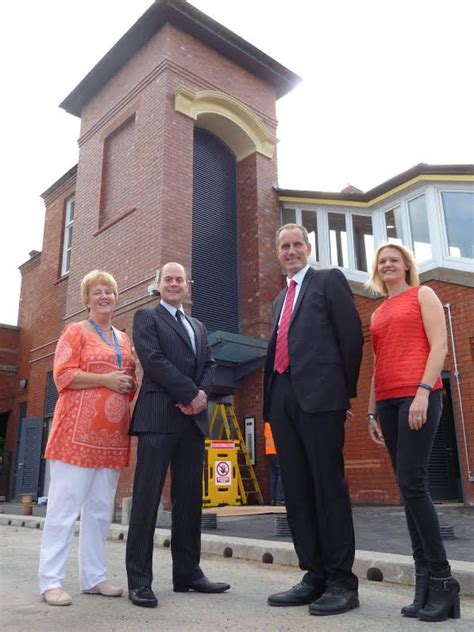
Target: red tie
{"points": [[282, 360]]}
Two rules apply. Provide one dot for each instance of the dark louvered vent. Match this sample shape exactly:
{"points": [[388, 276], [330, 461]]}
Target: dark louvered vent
{"points": [[215, 291], [51, 395], [438, 466]]}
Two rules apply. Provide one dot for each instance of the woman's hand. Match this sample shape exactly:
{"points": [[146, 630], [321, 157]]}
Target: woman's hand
{"points": [[417, 410], [119, 381], [375, 432]]}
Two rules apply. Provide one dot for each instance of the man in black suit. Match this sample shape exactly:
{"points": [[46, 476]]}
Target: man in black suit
{"points": [[311, 371], [170, 420]]}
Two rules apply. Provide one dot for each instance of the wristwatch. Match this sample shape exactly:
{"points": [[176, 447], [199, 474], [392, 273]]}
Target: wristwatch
{"points": [[372, 416]]}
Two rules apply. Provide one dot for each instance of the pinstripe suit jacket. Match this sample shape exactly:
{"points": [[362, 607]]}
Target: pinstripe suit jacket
{"points": [[171, 371]]}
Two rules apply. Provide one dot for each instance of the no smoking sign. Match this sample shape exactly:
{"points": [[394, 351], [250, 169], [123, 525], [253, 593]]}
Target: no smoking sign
{"points": [[223, 472]]}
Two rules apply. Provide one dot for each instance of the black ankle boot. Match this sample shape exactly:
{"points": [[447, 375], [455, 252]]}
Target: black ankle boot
{"points": [[443, 600], [421, 596]]}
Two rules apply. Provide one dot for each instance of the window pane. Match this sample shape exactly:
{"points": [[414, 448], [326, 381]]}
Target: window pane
{"points": [[459, 214], [67, 261], [419, 229], [288, 216], [363, 241], [67, 236], [338, 240], [393, 224], [309, 221]]}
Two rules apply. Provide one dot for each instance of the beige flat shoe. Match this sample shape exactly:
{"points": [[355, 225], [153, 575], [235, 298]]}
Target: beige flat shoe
{"points": [[105, 588], [57, 597]]}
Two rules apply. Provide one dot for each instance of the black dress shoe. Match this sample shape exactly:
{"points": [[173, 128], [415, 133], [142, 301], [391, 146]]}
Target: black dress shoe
{"points": [[143, 597], [335, 601], [203, 585], [299, 595]]}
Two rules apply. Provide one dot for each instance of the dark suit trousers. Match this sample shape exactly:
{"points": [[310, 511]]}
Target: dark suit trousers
{"points": [[310, 451], [185, 452]]}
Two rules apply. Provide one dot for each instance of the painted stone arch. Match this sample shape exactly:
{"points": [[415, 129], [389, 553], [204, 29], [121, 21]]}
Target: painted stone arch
{"points": [[229, 119]]}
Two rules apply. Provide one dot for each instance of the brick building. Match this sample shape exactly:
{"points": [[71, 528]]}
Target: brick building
{"points": [[177, 162]]}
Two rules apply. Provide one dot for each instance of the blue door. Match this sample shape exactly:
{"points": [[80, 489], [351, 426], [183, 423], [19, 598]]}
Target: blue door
{"points": [[29, 456]]}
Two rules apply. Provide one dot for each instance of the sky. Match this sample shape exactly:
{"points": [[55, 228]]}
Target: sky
{"points": [[386, 84]]}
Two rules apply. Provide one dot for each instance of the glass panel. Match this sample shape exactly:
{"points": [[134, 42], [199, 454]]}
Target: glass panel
{"points": [[363, 241], [459, 214], [67, 261], [309, 221], [288, 216], [69, 237], [419, 229], [71, 210], [393, 224], [338, 240]]}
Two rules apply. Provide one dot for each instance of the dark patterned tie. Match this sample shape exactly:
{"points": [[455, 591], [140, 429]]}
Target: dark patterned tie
{"points": [[282, 359], [179, 318]]}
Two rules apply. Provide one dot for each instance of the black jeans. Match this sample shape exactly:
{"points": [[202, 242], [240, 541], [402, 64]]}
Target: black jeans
{"points": [[410, 452]]}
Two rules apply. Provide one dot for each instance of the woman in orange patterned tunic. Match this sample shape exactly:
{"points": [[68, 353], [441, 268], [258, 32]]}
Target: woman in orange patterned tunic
{"points": [[94, 372]]}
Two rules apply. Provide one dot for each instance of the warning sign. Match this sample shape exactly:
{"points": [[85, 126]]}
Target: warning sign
{"points": [[221, 445], [223, 472]]}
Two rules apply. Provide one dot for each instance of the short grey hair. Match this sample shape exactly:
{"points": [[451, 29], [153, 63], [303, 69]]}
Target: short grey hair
{"points": [[291, 227]]}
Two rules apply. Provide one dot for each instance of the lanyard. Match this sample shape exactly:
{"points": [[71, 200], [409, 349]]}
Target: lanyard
{"points": [[118, 353]]}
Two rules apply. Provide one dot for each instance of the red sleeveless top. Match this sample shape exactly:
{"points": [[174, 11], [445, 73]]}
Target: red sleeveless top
{"points": [[400, 345]]}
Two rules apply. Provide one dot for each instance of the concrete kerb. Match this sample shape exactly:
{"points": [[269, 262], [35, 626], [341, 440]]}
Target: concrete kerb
{"points": [[396, 569]]}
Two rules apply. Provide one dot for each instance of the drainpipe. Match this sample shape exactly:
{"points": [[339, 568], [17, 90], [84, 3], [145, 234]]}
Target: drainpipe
{"points": [[470, 475]]}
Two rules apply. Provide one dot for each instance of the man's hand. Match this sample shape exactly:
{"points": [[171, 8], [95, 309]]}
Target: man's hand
{"points": [[197, 405], [186, 410], [349, 415]]}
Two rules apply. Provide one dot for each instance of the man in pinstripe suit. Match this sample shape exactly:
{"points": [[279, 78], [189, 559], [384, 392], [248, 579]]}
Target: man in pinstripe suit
{"points": [[170, 420]]}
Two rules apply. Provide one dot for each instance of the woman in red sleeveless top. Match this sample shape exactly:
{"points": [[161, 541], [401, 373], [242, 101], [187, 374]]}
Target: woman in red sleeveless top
{"points": [[410, 342]]}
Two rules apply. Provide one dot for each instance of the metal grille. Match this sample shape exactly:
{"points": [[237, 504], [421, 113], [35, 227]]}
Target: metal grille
{"points": [[29, 457], [51, 396], [215, 254]]}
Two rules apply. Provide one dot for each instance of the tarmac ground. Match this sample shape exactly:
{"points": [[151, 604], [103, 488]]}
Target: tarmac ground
{"points": [[242, 608], [377, 528]]}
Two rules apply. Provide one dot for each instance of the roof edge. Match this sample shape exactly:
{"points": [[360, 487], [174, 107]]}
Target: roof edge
{"points": [[418, 170], [60, 181], [194, 22]]}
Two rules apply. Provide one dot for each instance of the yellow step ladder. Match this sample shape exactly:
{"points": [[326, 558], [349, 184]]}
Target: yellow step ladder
{"points": [[230, 429]]}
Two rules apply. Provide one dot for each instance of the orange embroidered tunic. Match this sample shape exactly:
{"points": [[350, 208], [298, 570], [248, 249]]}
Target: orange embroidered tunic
{"points": [[90, 425]]}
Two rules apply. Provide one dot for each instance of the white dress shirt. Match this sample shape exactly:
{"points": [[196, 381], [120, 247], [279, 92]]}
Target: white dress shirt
{"points": [[298, 277], [172, 310]]}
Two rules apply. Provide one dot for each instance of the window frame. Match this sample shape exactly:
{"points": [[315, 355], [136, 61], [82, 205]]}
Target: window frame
{"points": [[68, 224], [437, 226], [464, 263], [298, 208]]}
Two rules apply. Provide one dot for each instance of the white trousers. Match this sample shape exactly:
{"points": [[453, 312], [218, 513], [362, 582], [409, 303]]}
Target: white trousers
{"points": [[76, 490]]}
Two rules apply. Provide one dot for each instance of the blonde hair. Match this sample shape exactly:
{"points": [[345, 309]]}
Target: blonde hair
{"points": [[93, 278], [411, 276], [291, 227]]}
